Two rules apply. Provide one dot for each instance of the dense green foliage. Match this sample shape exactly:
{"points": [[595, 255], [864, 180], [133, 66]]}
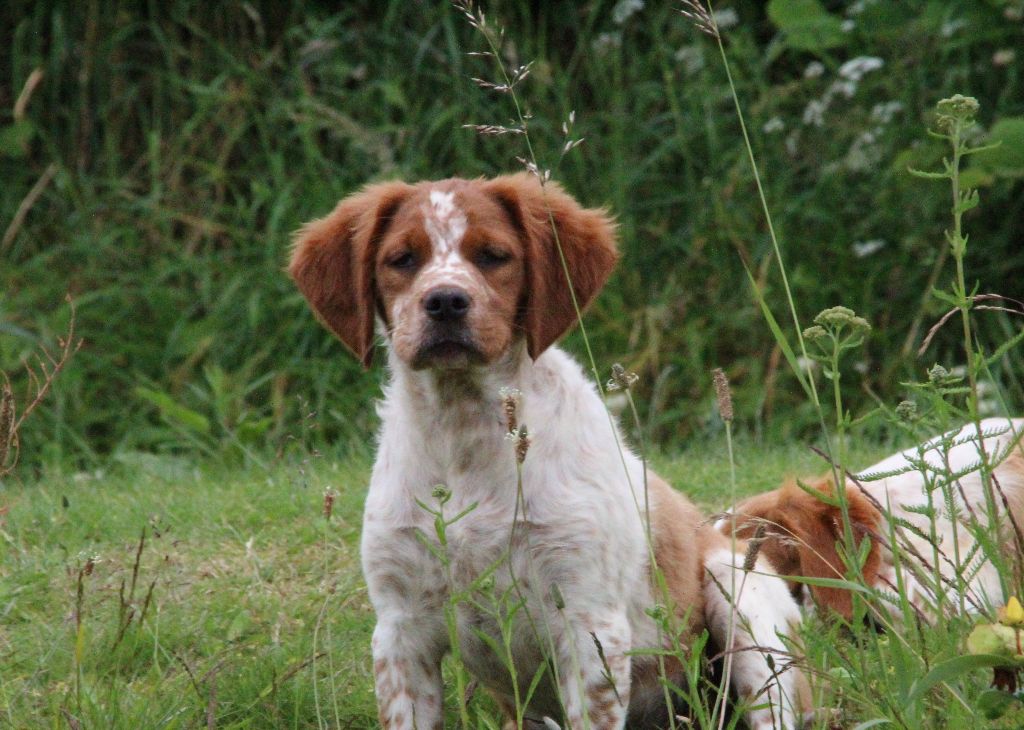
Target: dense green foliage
{"points": [[189, 140]]}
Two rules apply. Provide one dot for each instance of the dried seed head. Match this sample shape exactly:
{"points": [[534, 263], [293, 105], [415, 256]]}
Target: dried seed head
{"points": [[722, 393], [695, 11], [621, 378], [510, 398], [753, 549], [522, 444], [6, 421], [329, 497]]}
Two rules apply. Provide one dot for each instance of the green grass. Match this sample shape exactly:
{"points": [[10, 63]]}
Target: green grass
{"points": [[251, 582]]}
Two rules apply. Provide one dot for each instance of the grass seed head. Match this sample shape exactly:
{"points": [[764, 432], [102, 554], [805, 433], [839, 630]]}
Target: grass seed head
{"points": [[621, 378], [722, 393]]}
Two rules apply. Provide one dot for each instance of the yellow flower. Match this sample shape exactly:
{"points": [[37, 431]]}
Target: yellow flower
{"points": [[1013, 614]]}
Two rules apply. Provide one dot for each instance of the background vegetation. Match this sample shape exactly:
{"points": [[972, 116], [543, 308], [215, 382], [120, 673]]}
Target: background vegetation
{"points": [[168, 150]]}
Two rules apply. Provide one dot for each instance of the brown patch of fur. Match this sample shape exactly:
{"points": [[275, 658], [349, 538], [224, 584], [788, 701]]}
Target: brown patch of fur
{"points": [[679, 534], [332, 263], [801, 533], [587, 240]]}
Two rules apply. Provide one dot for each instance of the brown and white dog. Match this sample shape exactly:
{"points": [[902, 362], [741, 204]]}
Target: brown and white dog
{"points": [[469, 287], [801, 532]]}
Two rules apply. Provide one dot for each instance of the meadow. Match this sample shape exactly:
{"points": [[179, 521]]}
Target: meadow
{"points": [[165, 556]]}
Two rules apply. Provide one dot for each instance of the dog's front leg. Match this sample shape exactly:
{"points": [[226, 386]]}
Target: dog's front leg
{"points": [[407, 673], [748, 614], [594, 669]]}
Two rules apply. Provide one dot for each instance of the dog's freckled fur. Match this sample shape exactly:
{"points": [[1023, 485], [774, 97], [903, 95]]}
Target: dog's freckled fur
{"points": [[380, 255]]}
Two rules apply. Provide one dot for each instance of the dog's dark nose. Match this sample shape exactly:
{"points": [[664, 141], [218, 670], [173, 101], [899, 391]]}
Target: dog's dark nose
{"points": [[446, 305]]}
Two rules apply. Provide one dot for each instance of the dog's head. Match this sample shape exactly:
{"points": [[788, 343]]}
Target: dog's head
{"points": [[457, 270], [800, 533]]}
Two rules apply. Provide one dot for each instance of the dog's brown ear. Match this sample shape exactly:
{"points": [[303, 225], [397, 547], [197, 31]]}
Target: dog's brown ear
{"points": [[560, 237], [333, 259], [821, 530], [765, 515]]}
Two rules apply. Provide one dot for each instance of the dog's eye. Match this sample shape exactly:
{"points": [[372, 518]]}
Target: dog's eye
{"points": [[492, 257], [404, 260]]}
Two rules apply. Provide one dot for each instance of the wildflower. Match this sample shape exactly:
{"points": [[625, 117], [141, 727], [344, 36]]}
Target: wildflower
{"points": [[692, 58], [624, 9], [621, 379], [863, 249], [957, 109], [856, 68], [806, 364], [814, 113], [941, 377], [950, 27], [906, 411], [815, 332], [814, 70], [1012, 614], [841, 317], [1004, 57], [722, 394], [726, 18], [884, 112], [848, 25], [605, 42], [775, 124]]}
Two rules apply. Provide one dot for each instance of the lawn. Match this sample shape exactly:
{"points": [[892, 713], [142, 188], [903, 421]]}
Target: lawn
{"points": [[248, 608]]}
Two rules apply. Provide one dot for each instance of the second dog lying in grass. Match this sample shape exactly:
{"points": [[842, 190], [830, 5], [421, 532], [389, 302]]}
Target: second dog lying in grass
{"points": [[926, 514]]}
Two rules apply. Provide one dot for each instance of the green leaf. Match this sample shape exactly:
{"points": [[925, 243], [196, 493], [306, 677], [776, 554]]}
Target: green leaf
{"points": [[806, 25], [928, 175], [780, 336], [15, 138], [1007, 160], [994, 703], [951, 670], [174, 412]]}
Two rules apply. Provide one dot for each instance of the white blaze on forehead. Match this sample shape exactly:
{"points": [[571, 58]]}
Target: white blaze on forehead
{"points": [[445, 224]]}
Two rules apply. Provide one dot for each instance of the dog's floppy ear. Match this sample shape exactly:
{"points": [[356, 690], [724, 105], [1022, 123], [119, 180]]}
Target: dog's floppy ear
{"points": [[587, 241], [766, 515], [333, 259], [821, 529]]}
